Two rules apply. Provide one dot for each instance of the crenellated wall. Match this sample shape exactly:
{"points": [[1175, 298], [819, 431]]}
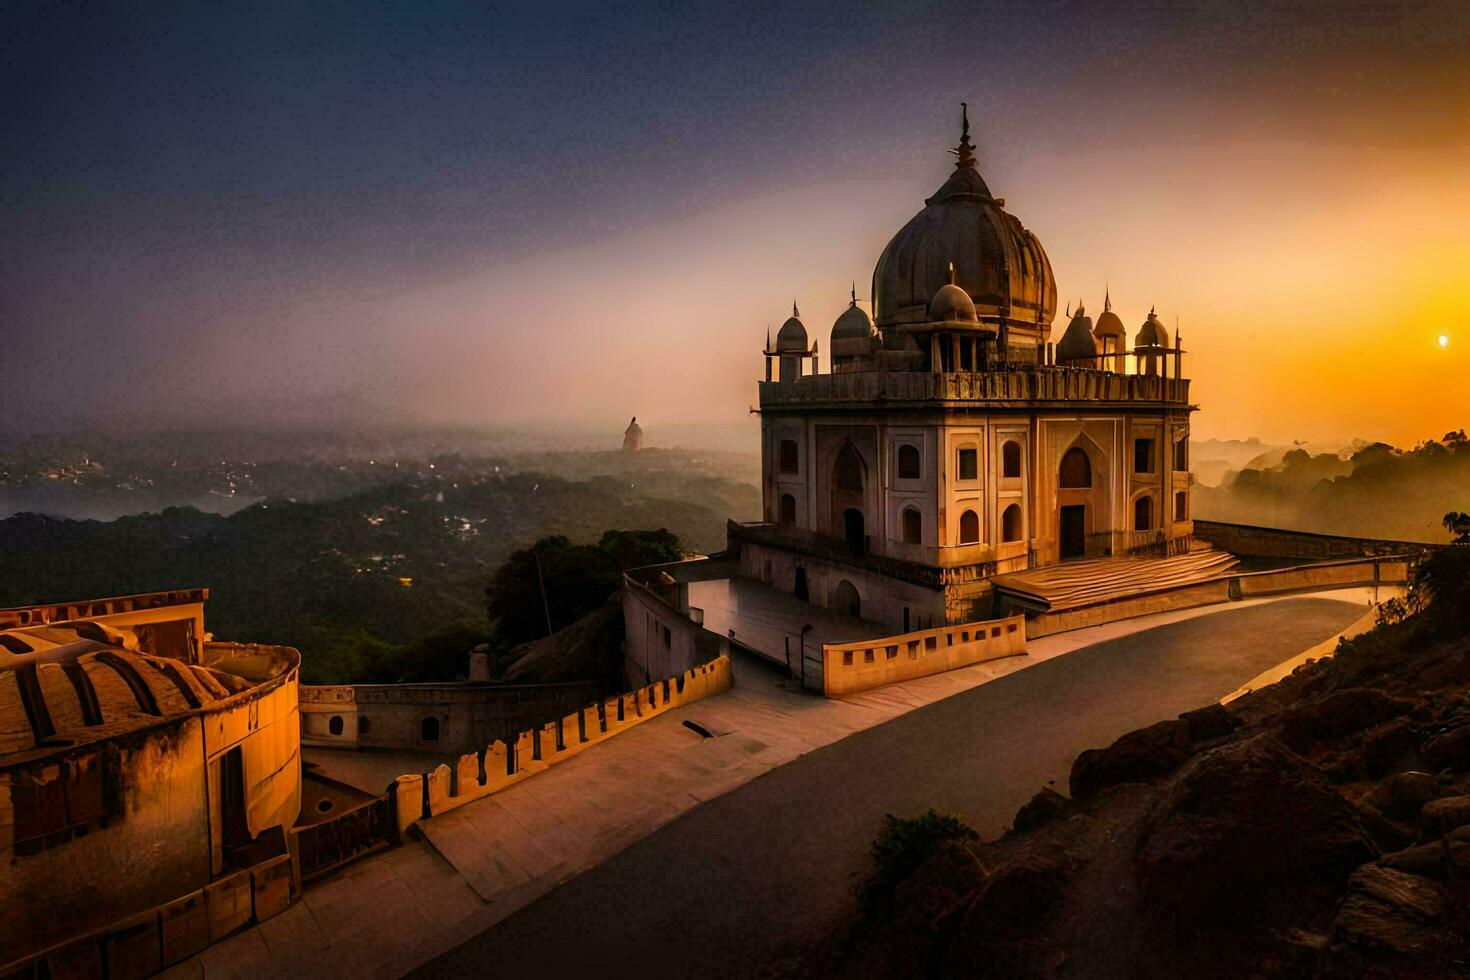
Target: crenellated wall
{"points": [[852, 667], [504, 763]]}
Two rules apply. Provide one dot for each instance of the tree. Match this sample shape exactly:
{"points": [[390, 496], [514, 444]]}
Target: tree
{"points": [[634, 549], [1458, 524], [557, 581]]}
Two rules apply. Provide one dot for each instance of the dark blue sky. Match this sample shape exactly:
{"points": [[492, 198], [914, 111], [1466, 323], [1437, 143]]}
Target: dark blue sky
{"points": [[174, 174]]}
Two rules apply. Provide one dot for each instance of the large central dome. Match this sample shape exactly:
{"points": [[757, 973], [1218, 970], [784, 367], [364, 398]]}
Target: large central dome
{"points": [[996, 260]]}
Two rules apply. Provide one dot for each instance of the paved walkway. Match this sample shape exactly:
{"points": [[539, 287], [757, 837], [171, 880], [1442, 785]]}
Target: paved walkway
{"points": [[770, 621], [479, 864]]}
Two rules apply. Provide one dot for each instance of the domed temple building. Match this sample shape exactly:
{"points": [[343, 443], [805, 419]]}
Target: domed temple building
{"points": [[954, 441]]}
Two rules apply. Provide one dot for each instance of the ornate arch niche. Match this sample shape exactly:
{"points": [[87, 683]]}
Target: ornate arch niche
{"points": [[848, 482], [1082, 508]]}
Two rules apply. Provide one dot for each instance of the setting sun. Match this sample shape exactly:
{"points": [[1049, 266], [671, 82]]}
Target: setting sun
{"points": [[1444, 340]]}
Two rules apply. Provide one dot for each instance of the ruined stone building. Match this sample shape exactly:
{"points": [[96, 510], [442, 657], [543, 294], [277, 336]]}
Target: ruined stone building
{"points": [[148, 777], [952, 438]]}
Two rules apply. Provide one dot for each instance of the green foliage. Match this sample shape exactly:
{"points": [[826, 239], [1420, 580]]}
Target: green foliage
{"points": [[634, 549], [902, 845], [369, 586], [1442, 584], [576, 579]]}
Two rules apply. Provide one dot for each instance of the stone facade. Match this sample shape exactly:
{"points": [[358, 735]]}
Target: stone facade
{"points": [[953, 443], [139, 793]]}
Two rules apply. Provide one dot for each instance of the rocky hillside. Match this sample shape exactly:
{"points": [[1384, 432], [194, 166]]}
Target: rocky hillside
{"points": [[1318, 827]]}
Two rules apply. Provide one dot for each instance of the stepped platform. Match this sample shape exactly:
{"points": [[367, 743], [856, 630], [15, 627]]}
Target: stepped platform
{"points": [[1089, 580]]}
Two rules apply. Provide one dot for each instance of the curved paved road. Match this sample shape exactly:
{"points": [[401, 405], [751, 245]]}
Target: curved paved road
{"points": [[768, 869]]}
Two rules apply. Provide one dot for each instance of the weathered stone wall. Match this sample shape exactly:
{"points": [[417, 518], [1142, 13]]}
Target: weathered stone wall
{"points": [[883, 599], [467, 715], [660, 641], [155, 845], [151, 846]]}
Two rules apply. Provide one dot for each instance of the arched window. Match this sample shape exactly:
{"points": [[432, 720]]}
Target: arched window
{"points": [[968, 464], [847, 471], [1181, 506], [1076, 469], [334, 725], [845, 598], [1010, 523], [786, 456], [429, 729], [969, 527], [908, 462], [788, 509], [362, 725], [913, 526], [1010, 459], [1143, 514]]}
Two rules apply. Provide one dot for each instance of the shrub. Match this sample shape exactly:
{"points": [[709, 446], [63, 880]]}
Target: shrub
{"points": [[902, 845]]}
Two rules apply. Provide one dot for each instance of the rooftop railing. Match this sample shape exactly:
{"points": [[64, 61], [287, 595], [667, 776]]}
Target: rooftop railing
{"points": [[1010, 385]]}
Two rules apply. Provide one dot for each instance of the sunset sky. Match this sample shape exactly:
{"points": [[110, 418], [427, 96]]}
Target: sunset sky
{"points": [[574, 214]]}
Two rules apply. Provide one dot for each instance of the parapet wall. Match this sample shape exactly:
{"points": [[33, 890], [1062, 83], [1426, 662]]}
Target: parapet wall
{"points": [[852, 667], [1321, 576], [1249, 541], [504, 763]]}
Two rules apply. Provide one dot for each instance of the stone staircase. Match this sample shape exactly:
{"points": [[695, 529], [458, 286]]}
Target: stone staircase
{"points": [[1089, 580]]}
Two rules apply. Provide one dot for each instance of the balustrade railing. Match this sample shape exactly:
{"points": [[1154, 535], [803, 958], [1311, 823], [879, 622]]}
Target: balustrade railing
{"points": [[1035, 384]]}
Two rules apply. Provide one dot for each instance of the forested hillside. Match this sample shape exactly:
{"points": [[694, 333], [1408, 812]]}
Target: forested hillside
{"points": [[345, 580]]}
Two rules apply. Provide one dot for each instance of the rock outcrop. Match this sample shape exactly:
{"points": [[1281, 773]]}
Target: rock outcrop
{"points": [[1318, 827]]}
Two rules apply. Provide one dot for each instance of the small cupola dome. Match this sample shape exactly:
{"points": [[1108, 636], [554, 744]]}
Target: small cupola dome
{"points": [[1109, 324], [1152, 333], [951, 304], [853, 323], [1077, 344], [792, 335]]}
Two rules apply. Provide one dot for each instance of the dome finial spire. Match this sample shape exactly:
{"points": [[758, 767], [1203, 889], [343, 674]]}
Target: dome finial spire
{"points": [[965, 152], [951, 274], [794, 311], [854, 292], [1107, 297]]}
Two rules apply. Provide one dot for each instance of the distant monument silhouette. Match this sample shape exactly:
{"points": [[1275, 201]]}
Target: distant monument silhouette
{"points": [[633, 437]]}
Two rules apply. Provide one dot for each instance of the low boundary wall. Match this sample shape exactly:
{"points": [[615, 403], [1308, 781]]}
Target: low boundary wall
{"points": [[503, 763], [1250, 541], [1230, 587], [851, 667]]}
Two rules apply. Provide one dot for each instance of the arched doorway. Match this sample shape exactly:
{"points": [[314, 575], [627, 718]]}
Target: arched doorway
{"points": [[1075, 473], [849, 483], [845, 598]]}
